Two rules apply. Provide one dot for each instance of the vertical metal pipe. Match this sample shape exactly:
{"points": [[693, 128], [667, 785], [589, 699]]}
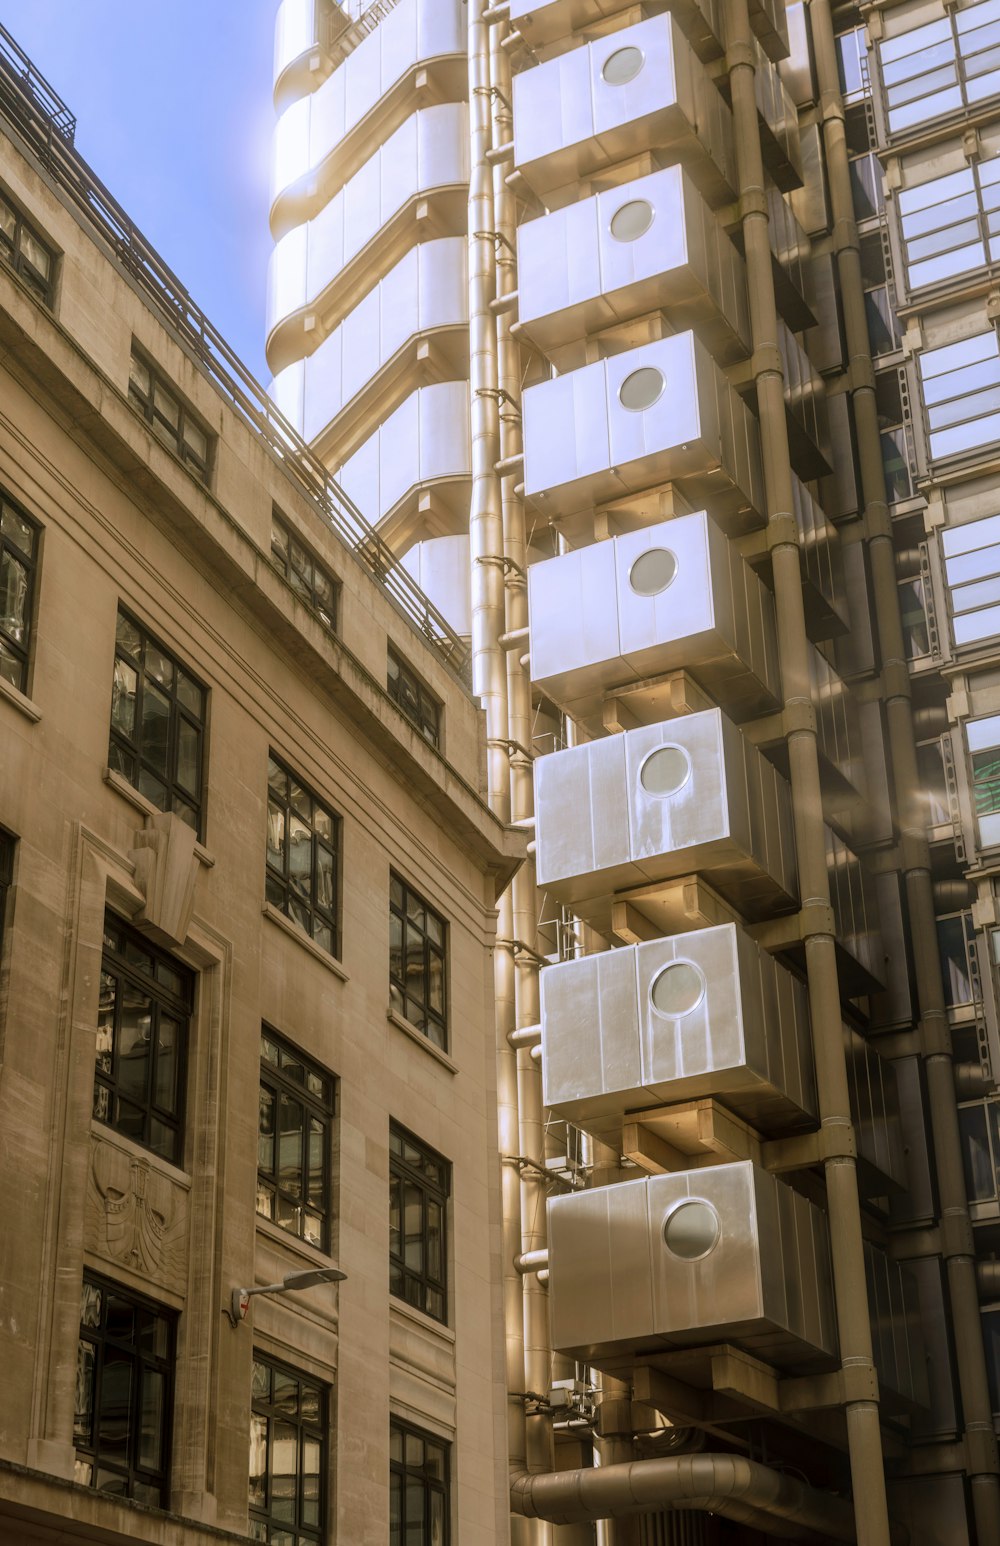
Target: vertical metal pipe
{"points": [[956, 1229], [489, 670], [537, 1371], [864, 1437]]}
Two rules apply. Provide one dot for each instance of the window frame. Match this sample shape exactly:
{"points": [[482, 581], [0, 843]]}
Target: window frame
{"points": [[280, 1083], [308, 1535], [30, 563], [307, 593], [428, 711], [171, 437], [8, 844], [417, 1288], [114, 962], [400, 993], [14, 257], [410, 1476], [164, 1365], [178, 713], [273, 878]]}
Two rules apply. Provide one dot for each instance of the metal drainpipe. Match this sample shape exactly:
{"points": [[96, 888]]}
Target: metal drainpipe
{"points": [[862, 1413], [489, 676], [489, 668], [537, 1369], [957, 1241]]}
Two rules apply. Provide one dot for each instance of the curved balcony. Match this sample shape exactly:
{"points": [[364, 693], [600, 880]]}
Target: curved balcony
{"points": [[321, 140], [296, 45], [414, 187], [410, 328], [411, 477]]}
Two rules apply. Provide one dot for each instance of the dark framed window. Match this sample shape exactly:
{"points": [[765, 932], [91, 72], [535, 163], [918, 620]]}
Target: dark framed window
{"points": [[124, 1393], [293, 1141], [419, 1467], [19, 536], [416, 701], [289, 1435], [6, 876], [169, 417], [303, 846], [23, 250], [309, 580], [157, 723], [144, 1009], [419, 1186], [417, 962]]}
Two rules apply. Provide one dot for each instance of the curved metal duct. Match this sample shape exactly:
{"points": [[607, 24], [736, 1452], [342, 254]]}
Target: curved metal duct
{"points": [[952, 895], [729, 1485]]}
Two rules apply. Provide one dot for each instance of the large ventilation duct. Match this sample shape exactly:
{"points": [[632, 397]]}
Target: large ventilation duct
{"points": [[738, 1489]]}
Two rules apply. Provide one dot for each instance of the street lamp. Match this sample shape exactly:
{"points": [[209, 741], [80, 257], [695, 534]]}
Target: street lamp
{"points": [[239, 1302]]}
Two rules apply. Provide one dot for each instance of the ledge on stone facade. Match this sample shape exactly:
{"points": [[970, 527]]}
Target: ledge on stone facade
{"points": [[20, 701], [50, 1508], [301, 938], [416, 1034]]}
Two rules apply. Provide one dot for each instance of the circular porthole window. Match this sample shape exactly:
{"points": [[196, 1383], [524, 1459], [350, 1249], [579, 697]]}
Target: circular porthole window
{"points": [[665, 771], [641, 389], [691, 1230], [652, 572], [678, 989], [632, 220], [623, 66]]}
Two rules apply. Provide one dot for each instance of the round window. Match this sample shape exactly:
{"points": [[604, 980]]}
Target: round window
{"points": [[678, 989], [652, 572], [623, 66], [641, 389], [691, 1230], [665, 771], [632, 220]]}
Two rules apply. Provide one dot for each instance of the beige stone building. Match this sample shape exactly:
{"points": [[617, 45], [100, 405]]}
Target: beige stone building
{"points": [[247, 891]]}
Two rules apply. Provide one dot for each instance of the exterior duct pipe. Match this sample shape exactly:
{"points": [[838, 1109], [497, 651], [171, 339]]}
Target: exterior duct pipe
{"points": [[536, 1371], [532, 1261], [988, 1278], [739, 1489], [957, 1244], [840, 1167], [489, 669]]}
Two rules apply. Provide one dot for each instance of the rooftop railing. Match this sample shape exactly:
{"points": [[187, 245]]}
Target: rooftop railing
{"points": [[43, 122]]}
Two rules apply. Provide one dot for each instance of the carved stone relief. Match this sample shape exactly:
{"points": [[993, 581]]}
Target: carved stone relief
{"points": [[136, 1215]]}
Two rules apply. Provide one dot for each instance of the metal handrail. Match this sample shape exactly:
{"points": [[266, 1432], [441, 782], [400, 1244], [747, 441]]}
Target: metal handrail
{"points": [[25, 109], [34, 84]]}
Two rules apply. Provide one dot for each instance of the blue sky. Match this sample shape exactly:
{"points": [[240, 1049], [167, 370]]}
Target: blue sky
{"points": [[173, 107]]}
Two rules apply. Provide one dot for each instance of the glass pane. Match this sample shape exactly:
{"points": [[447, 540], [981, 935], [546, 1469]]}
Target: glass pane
{"points": [[300, 854], [138, 374], [260, 1381], [413, 1227], [189, 694], [414, 1451], [415, 910], [188, 757], [83, 1411], [265, 1131], [290, 1123], [134, 1042], [279, 544], [416, 1535], [395, 1216], [284, 1472], [163, 1139], [11, 667], [90, 1305], [299, 913], [277, 779], [396, 891], [317, 1156], [285, 1396], [414, 963], [435, 983], [437, 1519], [166, 406], [265, 1200], [309, 1502], [13, 597], [311, 1403], [155, 726], [435, 928], [395, 1508], [115, 1405], [275, 835], [151, 1422], [324, 878], [979, 1174], [435, 1241], [106, 1022], [986, 782], [123, 698], [168, 1037], [258, 1460]]}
